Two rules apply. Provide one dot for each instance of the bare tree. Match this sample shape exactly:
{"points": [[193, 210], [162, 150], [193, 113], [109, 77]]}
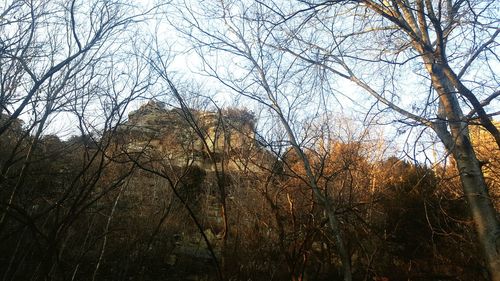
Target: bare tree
{"points": [[266, 78], [46, 62], [61, 59], [450, 50]]}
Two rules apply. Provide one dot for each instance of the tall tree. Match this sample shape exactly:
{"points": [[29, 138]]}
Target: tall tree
{"points": [[269, 79], [430, 62], [60, 58], [449, 49]]}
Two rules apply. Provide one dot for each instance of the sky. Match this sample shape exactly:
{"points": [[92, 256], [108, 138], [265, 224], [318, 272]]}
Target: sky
{"points": [[186, 66]]}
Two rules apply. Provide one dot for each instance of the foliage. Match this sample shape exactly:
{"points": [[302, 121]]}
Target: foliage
{"points": [[407, 226]]}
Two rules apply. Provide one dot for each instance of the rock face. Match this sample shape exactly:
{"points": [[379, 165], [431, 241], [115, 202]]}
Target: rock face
{"points": [[200, 137], [195, 144]]}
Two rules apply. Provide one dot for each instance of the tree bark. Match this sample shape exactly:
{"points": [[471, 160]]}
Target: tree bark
{"points": [[456, 140], [476, 194], [480, 206]]}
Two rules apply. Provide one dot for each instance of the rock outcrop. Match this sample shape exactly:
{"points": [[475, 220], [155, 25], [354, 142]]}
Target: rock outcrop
{"points": [[204, 147], [196, 137]]}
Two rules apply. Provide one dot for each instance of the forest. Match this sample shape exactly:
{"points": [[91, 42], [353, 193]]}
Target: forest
{"points": [[249, 140]]}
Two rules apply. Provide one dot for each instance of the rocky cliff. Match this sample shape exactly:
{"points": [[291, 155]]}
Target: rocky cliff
{"points": [[197, 137], [202, 151]]}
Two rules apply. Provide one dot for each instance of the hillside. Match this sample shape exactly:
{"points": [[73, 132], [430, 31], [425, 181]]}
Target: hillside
{"points": [[175, 195]]}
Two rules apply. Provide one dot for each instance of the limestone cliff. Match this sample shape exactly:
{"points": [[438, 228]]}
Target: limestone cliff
{"points": [[195, 137]]}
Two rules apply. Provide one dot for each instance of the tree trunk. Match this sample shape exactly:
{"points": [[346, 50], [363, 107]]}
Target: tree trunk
{"points": [[341, 245], [324, 201], [453, 132], [480, 205]]}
